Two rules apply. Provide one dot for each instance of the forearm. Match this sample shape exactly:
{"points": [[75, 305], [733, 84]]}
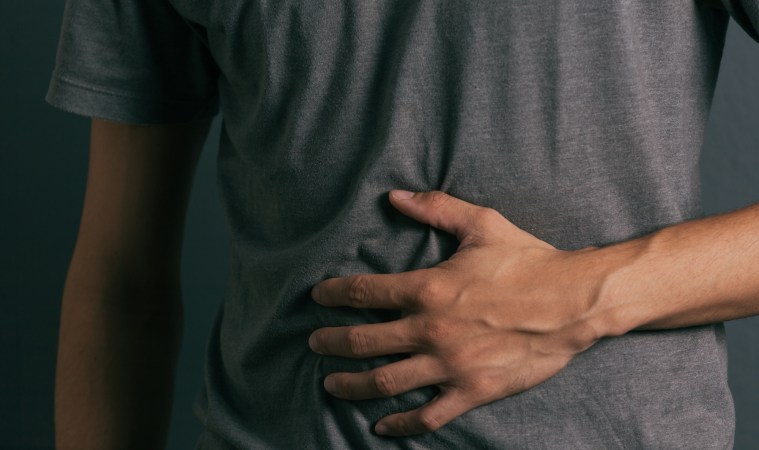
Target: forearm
{"points": [[117, 353], [121, 318], [508, 311], [694, 273]]}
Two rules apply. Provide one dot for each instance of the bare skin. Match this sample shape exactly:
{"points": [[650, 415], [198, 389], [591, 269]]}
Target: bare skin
{"points": [[508, 311], [121, 319]]}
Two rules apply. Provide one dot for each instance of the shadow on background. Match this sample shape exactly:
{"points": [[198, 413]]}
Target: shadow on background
{"points": [[43, 157]]}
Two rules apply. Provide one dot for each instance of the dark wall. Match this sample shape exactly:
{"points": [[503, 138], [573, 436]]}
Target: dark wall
{"points": [[43, 156]]}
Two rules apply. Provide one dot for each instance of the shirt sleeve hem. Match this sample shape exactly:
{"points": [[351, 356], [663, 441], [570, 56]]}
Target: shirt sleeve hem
{"points": [[91, 101]]}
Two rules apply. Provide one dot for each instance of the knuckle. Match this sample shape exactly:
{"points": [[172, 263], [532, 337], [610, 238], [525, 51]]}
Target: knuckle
{"points": [[358, 344], [384, 383], [428, 421], [488, 217], [433, 331], [430, 291], [403, 425], [457, 359], [358, 290], [482, 390], [438, 198]]}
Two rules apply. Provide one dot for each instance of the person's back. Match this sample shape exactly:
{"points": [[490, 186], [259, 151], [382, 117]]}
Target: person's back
{"points": [[575, 120]]}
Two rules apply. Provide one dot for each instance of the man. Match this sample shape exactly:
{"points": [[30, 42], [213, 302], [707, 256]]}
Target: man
{"points": [[559, 295]]}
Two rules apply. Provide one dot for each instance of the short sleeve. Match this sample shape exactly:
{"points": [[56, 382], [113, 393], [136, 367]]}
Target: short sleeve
{"points": [[134, 61], [746, 13]]}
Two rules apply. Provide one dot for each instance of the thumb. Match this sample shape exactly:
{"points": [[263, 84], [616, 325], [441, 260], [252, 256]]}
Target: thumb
{"points": [[437, 209]]}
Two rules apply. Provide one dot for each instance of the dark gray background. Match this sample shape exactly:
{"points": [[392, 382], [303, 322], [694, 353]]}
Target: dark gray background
{"points": [[43, 155]]}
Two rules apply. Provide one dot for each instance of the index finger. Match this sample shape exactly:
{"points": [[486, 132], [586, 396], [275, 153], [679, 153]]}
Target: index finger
{"points": [[381, 291]]}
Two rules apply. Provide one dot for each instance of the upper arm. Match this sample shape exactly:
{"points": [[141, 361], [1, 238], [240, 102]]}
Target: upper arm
{"points": [[138, 186]]}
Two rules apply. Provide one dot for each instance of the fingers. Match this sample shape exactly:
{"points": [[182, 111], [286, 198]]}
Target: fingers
{"points": [[385, 381], [385, 291], [441, 210], [362, 341], [433, 415]]}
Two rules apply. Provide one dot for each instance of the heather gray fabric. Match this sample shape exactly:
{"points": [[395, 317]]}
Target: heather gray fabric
{"points": [[580, 121]]}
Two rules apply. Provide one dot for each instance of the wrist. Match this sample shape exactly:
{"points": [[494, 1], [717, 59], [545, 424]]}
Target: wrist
{"points": [[588, 274], [617, 281]]}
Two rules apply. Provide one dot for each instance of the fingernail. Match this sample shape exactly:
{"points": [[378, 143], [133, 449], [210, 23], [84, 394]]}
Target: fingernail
{"points": [[403, 195], [312, 344], [329, 384], [380, 428], [315, 293]]}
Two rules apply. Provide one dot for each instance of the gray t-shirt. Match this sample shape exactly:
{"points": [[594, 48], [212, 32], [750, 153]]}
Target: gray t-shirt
{"points": [[580, 121]]}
